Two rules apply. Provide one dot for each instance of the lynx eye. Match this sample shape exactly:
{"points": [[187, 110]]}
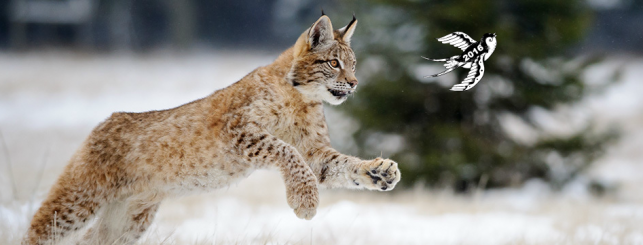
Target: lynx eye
{"points": [[334, 63]]}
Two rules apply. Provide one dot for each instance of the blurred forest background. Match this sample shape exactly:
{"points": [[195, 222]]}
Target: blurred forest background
{"points": [[491, 136], [545, 149]]}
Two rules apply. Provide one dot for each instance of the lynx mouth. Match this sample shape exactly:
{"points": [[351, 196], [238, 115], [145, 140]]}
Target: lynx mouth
{"points": [[340, 93]]}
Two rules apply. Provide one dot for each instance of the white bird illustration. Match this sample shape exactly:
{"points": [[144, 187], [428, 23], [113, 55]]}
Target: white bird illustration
{"points": [[473, 55]]}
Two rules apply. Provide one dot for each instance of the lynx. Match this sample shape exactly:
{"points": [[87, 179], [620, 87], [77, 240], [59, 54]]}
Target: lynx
{"points": [[271, 118]]}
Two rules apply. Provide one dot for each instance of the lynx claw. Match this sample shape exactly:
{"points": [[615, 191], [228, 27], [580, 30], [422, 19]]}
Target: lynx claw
{"points": [[378, 174]]}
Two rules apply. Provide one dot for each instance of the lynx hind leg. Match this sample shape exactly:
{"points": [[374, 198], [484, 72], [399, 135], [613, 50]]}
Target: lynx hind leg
{"points": [[377, 174], [122, 222], [68, 208]]}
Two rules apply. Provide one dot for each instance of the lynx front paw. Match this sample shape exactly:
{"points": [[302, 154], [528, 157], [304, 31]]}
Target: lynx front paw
{"points": [[378, 174], [303, 198]]}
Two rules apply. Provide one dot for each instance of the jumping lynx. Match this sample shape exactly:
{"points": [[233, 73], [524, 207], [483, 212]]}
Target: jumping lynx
{"points": [[271, 118]]}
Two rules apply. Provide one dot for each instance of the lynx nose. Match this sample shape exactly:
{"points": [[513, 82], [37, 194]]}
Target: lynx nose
{"points": [[353, 83]]}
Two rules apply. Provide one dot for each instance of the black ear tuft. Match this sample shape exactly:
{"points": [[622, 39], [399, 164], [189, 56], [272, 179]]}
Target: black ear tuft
{"points": [[347, 31], [322, 12]]}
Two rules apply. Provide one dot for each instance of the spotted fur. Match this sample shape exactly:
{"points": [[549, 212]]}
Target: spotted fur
{"points": [[271, 118]]}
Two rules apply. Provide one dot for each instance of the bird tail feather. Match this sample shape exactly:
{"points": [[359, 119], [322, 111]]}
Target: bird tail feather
{"points": [[444, 72], [442, 60], [451, 64]]}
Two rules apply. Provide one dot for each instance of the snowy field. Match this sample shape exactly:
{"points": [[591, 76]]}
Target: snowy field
{"points": [[50, 101]]}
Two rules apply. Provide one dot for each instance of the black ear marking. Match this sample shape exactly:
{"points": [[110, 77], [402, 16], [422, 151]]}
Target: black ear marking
{"points": [[322, 9], [347, 31], [352, 22]]}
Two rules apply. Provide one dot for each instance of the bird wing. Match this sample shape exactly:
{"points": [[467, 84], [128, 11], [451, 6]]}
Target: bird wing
{"points": [[458, 39], [475, 74]]}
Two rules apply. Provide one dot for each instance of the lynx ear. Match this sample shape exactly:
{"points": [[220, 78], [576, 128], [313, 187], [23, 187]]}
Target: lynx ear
{"points": [[321, 33], [347, 31], [318, 35]]}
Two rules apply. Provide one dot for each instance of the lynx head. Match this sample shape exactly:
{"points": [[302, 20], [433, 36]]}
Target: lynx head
{"points": [[324, 63]]}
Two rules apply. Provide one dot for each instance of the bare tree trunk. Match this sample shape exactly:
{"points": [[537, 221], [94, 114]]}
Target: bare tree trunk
{"points": [[182, 23], [120, 27], [17, 29], [18, 35]]}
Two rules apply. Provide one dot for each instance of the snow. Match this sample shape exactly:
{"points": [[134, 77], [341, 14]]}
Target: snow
{"points": [[529, 215], [53, 99], [385, 223], [66, 90]]}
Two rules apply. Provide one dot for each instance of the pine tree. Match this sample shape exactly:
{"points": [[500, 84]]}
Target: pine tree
{"points": [[457, 138]]}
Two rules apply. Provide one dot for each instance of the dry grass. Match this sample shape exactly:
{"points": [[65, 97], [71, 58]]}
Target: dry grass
{"points": [[255, 212]]}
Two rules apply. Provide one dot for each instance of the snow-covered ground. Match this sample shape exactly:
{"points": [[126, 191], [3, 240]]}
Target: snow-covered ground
{"points": [[50, 101]]}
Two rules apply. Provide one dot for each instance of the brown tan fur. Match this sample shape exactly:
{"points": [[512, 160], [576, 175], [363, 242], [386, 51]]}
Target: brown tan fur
{"points": [[271, 118]]}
